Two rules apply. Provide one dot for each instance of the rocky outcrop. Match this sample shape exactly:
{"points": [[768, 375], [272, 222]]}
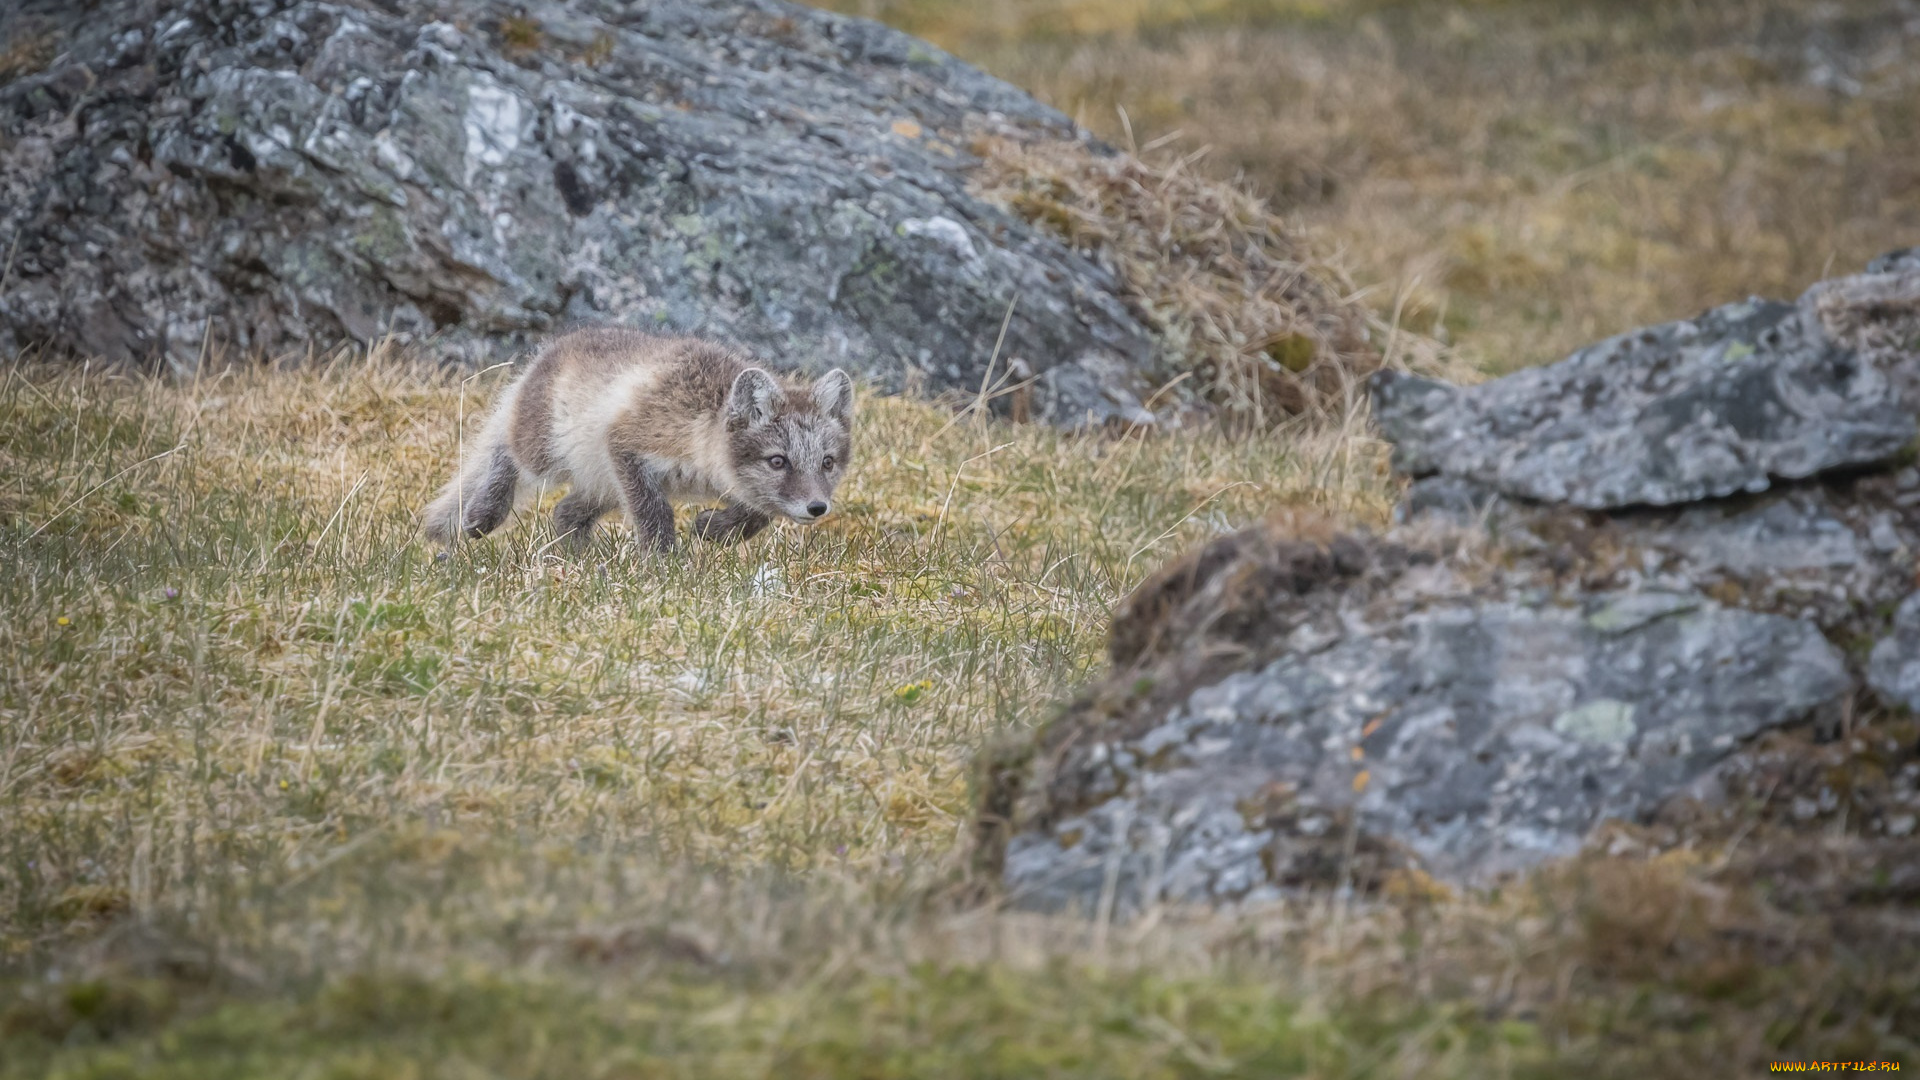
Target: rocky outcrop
{"points": [[1836, 551], [1894, 668], [179, 176], [1803, 416], [1440, 720], [1729, 402], [1612, 579]]}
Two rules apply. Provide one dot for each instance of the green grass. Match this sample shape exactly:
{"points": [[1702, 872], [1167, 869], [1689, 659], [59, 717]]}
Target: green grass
{"points": [[923, 1023]]}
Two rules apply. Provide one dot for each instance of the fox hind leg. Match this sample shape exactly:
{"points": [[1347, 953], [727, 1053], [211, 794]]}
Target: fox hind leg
{"points": [[485, 509], [575, 516]]}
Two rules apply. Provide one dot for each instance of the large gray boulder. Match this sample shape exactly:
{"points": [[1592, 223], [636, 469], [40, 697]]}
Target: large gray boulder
{"points": [[1763, 453], [1462, 720], [1725, 403], [1609, 580], [279, 176]]}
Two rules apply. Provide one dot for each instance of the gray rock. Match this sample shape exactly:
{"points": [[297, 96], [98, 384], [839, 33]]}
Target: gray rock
{"points": [[1489, 737], [1877, 315], [1467, 721], [1894, 669], [1905, 259], [1810, 405], [1840, 552], [1722, 404], [1650, 550], [279, 176]]}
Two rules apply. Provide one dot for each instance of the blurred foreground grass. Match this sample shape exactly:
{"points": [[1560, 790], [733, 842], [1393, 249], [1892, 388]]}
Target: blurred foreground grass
{"points": [[1520, 177]]}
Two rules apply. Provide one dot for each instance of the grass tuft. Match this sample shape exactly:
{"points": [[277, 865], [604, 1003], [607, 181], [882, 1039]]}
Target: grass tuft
{"points": [[1270, 329], [28, 50], [521, 34]]}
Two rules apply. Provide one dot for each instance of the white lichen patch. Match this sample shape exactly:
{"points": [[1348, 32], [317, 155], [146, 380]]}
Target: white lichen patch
{"points": [[495, 123], [1602, 723]]}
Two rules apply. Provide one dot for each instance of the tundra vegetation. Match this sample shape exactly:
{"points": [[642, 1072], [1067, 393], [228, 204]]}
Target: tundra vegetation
{"points": [[282, 795], [1519, 178]]}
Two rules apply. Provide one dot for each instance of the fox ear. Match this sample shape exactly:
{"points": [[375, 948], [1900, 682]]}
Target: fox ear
{"points": [[833, 393], [752, 400]]}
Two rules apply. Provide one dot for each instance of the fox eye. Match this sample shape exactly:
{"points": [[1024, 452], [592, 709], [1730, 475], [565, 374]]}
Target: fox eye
{"points": [[826, 465], [777, 462]]}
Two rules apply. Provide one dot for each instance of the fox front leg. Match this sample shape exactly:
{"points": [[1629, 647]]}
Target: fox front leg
{"points": [[730, 525], [647, 506]]}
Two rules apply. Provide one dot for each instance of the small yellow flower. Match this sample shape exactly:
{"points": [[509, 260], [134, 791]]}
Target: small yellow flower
{"points": [[63, 621], [911, 692], [283, 785]]}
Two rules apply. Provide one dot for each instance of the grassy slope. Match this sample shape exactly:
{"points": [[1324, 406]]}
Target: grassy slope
{"points": [[281, 790], [250, 722]]}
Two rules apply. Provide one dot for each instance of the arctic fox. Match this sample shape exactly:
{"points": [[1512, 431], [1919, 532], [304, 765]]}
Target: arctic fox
{"points": [[631, 421]]}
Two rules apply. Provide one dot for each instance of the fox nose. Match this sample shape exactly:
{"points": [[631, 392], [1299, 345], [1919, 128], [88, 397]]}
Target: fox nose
{"points": [[817, 509]]}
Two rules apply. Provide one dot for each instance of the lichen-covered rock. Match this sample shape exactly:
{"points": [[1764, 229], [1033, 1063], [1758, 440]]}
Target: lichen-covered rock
{"points": [[1725, 403], [1402, 714], [278, 176], [1894, 669], [1610, 579], [1839, 552], [1877, 315], [1790, 489]]}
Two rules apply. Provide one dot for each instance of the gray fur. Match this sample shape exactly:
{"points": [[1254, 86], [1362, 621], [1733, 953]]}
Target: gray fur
{"points": [[753, 401], [833, 395], [647, 505], [795, 456], [575, 516], [481, 509], [731, 525]]}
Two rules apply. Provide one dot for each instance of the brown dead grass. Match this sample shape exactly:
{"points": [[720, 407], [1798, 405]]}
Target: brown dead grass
{"points": [[27, 51], [1268, 327], [252, 736]]}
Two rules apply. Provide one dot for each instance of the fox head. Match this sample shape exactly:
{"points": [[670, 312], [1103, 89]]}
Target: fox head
{"points": [[789, 445]]}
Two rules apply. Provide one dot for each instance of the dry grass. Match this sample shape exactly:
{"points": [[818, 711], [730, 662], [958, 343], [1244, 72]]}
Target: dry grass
{"points": [[1270, 330], [521, 34], [28, 51], [1518, 178], [241, 554]]}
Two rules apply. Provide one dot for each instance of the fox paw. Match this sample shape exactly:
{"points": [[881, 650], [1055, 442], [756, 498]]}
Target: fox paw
{"points": [[706, 528]]}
